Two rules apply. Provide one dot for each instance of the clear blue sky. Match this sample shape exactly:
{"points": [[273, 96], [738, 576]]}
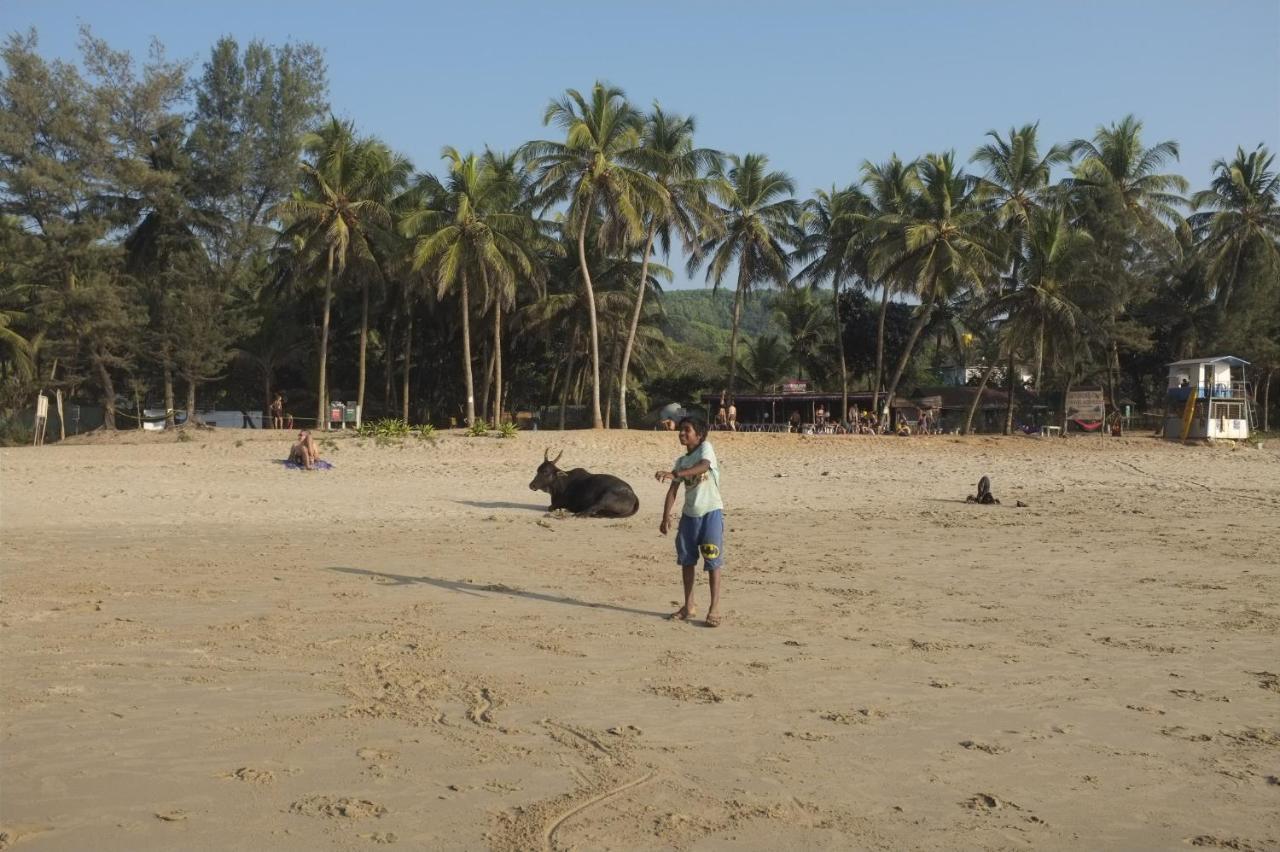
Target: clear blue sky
{"points": [[818, 87]]}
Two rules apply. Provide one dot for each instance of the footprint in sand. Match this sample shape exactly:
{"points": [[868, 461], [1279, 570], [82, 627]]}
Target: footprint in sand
{"points": [[251, 775], [342, 808], [985, 747]]}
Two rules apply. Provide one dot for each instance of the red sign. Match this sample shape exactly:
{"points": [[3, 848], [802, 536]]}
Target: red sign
{"points": [[795, 386]]}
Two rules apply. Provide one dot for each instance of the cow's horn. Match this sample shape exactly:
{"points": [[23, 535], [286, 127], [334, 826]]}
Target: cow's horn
{"points": [[546, 454], [557, 458]]}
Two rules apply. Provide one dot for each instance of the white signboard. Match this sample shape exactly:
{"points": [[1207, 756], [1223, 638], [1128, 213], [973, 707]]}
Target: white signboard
{"points": [[1086, 405]]}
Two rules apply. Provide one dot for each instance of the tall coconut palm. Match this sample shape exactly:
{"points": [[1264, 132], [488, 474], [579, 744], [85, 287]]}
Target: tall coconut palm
{"points": [[1115, 166], [595, 171], [1116, 171], [330, 217], [892, 187], [466, 235], [512, 187], [1017, 179], [758, 216], [835, 224], [943, 244], [682, 171], [1016, 185], [1240, 221]]}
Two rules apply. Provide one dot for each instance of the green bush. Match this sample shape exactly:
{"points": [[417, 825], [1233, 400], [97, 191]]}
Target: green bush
{"points": [[388, 427], [427, 432], [508, 430], [15, 434], [478, 429]]}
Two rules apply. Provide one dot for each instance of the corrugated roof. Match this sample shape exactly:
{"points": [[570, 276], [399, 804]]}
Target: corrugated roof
{"points": [[1230, 359]]}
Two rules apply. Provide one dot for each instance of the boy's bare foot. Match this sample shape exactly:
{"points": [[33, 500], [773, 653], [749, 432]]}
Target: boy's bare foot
{"points": [[713, 619], [684, 613]]}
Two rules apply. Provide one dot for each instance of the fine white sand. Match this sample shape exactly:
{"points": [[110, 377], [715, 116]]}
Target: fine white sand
{"points": [[203, 650]]}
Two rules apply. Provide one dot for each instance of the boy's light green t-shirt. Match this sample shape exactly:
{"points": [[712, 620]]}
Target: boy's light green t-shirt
{"points": [[701, 495]]}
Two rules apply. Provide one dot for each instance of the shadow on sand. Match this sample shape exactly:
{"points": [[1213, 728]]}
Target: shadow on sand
{"points": [[491, 589], [503, 504]]}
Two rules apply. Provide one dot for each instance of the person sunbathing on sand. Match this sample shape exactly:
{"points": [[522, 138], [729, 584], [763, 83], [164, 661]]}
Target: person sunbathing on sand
{"points": [[305, 452]]}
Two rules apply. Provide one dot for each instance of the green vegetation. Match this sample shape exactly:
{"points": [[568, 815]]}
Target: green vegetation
{"points": [[213, 231]]}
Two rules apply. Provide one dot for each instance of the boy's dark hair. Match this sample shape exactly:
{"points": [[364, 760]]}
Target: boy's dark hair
{"points": [[699, 426]]}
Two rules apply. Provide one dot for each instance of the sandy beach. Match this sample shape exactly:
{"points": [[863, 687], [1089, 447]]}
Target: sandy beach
{"points": [[203, 650]]}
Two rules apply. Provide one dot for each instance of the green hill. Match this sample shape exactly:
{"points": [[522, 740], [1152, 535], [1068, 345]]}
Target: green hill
{"points": [[704, 319]]}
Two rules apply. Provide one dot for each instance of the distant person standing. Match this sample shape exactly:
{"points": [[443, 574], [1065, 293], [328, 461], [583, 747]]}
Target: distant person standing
{"points": [[277, 411], [733, 417]]}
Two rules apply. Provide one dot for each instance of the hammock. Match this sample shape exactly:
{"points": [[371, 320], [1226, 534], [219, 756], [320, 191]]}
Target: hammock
{"points": [[1088, 425]]}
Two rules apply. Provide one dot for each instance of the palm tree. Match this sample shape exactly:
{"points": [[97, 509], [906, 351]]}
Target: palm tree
{"points": [[767, 363], [940, 246], [668, 155], [1016, 186], [331, 216], [594, 169], [1115, 166], [758, 218], [803, 318], [512, 187], [1240, 224], [1017, 179], [835, 226], [1116, 171], [892, 187], [465, 234]]}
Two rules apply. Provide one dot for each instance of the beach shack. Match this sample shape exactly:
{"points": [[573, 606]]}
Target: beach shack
{"points": [[1208, 398]]}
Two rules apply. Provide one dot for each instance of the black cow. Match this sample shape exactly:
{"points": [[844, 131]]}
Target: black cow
{"points": [[587, 495]]}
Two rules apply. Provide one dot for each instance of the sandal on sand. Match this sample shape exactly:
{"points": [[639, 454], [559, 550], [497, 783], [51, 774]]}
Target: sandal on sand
{"points": [[682, 614], [713, 621]]}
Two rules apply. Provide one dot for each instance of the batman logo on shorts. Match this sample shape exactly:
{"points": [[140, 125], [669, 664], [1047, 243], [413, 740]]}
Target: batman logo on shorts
{"points": [[709, 551]]}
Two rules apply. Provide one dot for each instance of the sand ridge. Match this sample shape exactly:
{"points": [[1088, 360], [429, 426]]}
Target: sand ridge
{"points": [[202, 649]]}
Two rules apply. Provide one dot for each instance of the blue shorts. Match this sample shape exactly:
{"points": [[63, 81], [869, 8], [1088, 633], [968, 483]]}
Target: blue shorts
{"points": [[701, 537]]}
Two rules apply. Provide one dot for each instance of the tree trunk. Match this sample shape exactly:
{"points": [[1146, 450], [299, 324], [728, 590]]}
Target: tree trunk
{"points": [[1065, 392], [733, 338], [1266, 401], [568, 379], [875, 388], [1039, 356], [631, 334], [466, 353], [1008, 408], [977, 399], [926, 309], [108, 392], [388, 361], [596, 421], [267, 422], [192, 420], [322, 404], [486, 382], [364, 343], [844, 368], [497, 361], [167, 380], [408, 363]]}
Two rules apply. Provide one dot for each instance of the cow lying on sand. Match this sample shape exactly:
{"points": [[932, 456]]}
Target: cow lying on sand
{"points": [[587, 495]]}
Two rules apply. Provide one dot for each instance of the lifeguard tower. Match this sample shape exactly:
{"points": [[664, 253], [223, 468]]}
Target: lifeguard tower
{"points": [[1208, 398]]}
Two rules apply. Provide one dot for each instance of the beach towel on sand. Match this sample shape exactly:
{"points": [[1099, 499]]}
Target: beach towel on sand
{"points": [[293, 465]]}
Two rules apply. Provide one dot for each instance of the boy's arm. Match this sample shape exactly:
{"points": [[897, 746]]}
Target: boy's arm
{"points": [[693, 471], [667, 505]]}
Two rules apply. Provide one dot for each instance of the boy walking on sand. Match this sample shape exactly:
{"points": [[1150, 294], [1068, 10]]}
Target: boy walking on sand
{"points": [[701, 530]]}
